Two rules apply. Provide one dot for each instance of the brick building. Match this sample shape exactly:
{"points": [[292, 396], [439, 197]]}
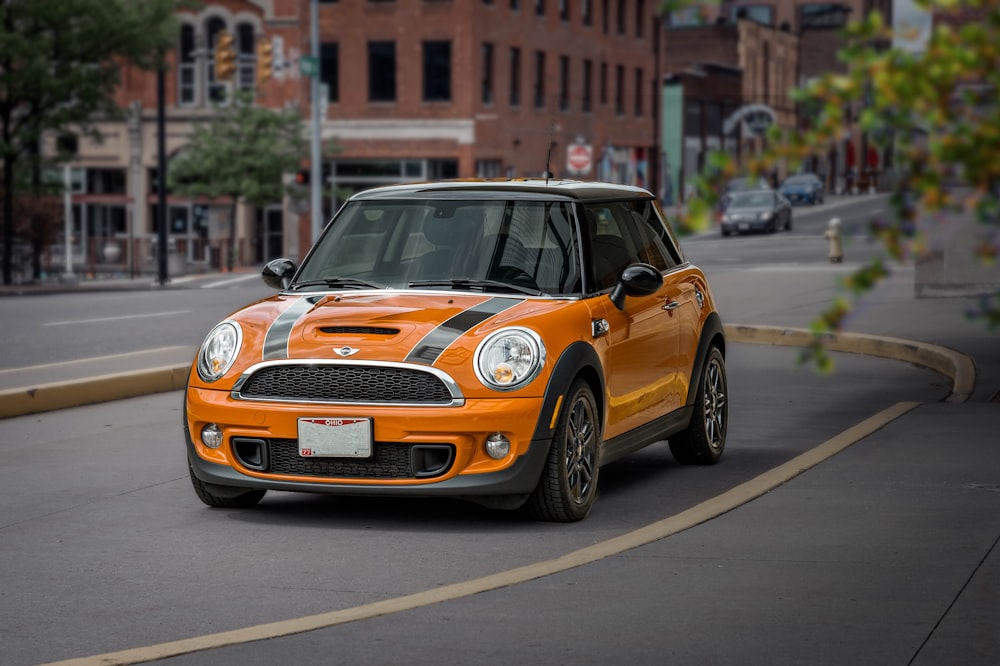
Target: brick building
{"points": [[414, 89]]}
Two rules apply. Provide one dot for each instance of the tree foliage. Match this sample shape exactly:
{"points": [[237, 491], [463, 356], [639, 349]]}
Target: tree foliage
{"points": [[937, 110], [241, 154], [59, 69]]}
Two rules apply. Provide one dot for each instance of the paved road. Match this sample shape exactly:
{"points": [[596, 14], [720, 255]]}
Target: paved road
{"points": [[883, 553]]}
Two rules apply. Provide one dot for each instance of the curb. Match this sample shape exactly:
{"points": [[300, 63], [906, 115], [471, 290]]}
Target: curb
{"points": [[956, 366]]}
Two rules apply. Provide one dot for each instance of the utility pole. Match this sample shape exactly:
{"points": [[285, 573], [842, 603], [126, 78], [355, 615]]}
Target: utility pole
{"points": [[316, 158], [161, 175]]}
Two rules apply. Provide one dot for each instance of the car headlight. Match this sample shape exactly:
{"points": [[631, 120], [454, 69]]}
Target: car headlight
{"points": [[509, 358], [219, 350], [765, 216]]}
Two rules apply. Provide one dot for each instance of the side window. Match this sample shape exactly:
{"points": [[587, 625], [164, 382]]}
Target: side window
{"points": [[625, 233], [656, 245]]}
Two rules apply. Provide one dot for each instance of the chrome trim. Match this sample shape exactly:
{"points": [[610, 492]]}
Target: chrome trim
{"points": [[457, 398]]}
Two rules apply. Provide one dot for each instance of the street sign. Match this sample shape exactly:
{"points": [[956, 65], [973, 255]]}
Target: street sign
{"points": [[309, 66], [579, 158]]}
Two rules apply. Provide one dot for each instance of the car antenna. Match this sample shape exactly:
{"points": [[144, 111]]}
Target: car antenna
{"points": [[548, 156]]}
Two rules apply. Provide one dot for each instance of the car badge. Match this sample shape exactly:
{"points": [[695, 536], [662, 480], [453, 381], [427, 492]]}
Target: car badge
{"points": [[346, 351]]}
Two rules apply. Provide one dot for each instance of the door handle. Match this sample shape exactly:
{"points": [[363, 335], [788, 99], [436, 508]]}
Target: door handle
{"points": [[672, 305]]}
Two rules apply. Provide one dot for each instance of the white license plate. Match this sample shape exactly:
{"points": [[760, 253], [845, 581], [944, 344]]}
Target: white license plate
{"points": [[744, 226], [335, 438]]}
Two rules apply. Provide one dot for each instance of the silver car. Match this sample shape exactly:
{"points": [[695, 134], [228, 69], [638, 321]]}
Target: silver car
{"points": [[756, 210]]}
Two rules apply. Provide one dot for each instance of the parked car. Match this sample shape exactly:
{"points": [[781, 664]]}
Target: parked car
{"points": [[497, 341], [804, 188], [758, 210], [741, 184]]}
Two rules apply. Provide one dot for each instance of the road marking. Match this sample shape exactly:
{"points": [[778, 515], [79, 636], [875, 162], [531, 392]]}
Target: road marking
{"points": [[223, 283], [700, 513], [94, 359], [99, 320]]}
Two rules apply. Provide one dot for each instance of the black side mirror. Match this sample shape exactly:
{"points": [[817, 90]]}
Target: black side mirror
{"points": [[277, 273], [636, 280]]}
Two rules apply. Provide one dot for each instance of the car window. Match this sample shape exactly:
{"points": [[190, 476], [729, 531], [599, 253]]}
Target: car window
{"points": [[624, 233], [398, 243]]}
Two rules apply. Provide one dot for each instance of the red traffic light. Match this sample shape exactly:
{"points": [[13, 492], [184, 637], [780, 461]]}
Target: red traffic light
{"points": [[302, 177]]}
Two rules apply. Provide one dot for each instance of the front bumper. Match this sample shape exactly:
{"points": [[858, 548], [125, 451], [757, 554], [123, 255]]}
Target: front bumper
{"points": [[743, 226], [409, 433]]}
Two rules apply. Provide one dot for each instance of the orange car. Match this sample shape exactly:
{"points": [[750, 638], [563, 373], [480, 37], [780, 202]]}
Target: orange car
{"points": [[497, 341]]}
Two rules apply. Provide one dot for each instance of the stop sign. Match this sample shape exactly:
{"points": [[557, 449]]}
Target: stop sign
{"points": [[579, 157]]}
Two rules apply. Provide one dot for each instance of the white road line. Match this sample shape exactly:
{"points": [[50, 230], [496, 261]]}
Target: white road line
{"points": [[223, 283], [93, 359], [99, 320]]}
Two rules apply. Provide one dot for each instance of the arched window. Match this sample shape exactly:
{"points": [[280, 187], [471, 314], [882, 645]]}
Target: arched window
{"points": [[216, 89], [246, 58], [186, 67]]}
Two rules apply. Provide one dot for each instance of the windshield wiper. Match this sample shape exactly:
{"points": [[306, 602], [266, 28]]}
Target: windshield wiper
{"points": [[338, 282], [468, 283]]}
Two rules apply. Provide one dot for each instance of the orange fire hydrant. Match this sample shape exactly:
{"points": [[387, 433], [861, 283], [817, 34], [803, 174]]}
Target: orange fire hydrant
{"points": [[832, 235]]}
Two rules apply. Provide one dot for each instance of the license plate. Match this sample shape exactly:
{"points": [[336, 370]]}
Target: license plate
{"points": [[744, 227], [335, 438]]}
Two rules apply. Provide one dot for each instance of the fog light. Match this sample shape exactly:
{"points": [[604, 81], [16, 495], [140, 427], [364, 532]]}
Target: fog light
{"points": [[211, 436], [497, 446]]}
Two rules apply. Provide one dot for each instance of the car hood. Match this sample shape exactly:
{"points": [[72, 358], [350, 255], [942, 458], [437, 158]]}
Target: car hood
{"points": [[407, 326]]}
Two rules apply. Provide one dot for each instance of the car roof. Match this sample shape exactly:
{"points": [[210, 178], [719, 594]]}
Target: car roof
{"points": [[505, 188]]}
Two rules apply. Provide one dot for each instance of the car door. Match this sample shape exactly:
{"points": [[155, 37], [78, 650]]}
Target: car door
{"points": [[642, 375]]}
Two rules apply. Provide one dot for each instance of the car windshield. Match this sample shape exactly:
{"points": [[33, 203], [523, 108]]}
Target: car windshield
{"points": [[486, 245], [752, 200], [799, 180]]}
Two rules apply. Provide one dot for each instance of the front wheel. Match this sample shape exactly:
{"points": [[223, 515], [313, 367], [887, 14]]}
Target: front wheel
{"points": [[238, 498], [568, 485], [704, 439]]}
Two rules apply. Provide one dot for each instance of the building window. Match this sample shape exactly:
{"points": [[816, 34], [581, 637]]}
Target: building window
{"points": [[515, 76], [640, 18], [539, 79], [824, 15], [382, 71], [488, 169], [763, 14], [487, 73], [586, 12], [564, 10], [186, 67], [605, 21], [329, 69], [515, 5], [638, 91], [604, 83], [539, 7], [620, 23], [563, 83], [216, 89], [437, 71], [620, 89], [588, 75], [246, 57]]}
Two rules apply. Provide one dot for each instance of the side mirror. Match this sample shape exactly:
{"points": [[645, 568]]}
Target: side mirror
{"points": [[636, 280], [277, 273]]}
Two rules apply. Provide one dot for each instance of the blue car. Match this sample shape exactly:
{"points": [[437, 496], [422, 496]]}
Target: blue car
{"points": [[803, 188]]}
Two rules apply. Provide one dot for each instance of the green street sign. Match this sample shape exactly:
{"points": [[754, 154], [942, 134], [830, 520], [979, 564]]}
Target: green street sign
{"points": [[309, 66]]}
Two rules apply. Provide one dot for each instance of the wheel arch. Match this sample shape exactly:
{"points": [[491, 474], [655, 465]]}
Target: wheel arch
{"points": [[577, 360], [712, 335]]}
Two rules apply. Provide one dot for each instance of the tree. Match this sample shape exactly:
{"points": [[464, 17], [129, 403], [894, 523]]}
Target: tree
{"points": [[59, 68], [937, 111], [242, 153]]}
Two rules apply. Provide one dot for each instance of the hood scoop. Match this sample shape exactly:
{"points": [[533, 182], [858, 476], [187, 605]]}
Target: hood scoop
{"points": [[358, 330]]}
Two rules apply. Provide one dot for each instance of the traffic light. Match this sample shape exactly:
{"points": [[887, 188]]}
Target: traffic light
{"points": [[225, 56], [302, 177], [265, 61]]}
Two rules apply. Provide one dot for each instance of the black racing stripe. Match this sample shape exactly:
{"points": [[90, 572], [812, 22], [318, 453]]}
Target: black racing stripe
{"points": [[434, 343], [276, 338]]}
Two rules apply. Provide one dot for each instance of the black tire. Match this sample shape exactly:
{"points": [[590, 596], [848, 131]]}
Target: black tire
{"points": [[238, 500], [568, 486], [704, 440]]}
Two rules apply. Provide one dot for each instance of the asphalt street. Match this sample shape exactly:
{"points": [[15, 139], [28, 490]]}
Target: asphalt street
{"points": [[878, 545]]}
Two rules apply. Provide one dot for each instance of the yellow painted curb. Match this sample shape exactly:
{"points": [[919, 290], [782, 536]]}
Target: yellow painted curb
{"points": [[956, 366], [74, 393]]}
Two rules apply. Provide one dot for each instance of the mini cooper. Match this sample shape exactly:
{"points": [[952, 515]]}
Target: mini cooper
{"points": [[496, 341]]}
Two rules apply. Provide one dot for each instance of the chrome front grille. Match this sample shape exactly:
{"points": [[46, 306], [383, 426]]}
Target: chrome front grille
{"points": [[349, 382]]}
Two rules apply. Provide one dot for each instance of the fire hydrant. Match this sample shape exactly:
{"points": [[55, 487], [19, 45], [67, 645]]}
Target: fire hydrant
{"points": [[832, 235]]}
